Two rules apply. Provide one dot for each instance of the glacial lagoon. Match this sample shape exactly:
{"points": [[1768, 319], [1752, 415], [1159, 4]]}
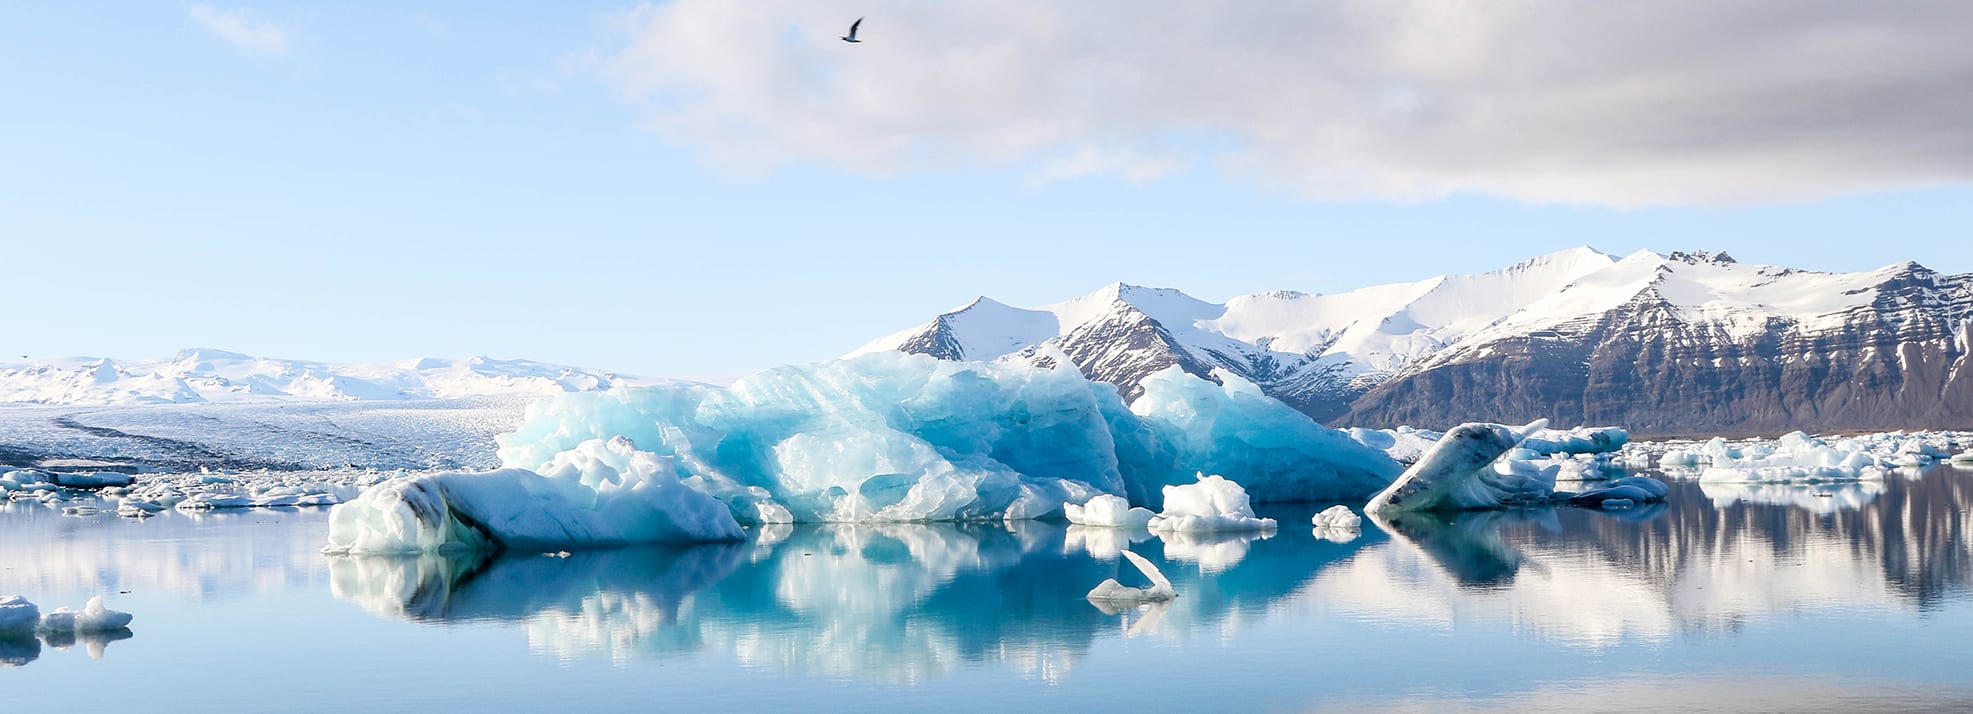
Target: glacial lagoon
{"points": [[1851, 596]]}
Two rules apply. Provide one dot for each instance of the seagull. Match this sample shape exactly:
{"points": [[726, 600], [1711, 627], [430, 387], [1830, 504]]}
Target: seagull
{"points": [[851, 37]]}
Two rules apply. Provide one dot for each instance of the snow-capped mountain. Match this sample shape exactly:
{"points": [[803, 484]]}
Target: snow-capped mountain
{"points": [[205, 375], [1663, 343]]}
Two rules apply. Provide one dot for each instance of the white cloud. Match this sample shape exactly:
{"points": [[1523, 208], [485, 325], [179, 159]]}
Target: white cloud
{"points": [[241, 29], [1129, 164], [1671, 101]]}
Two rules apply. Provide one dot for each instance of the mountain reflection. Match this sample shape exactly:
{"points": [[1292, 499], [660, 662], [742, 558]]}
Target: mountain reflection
{"points": [[1706, 562]]}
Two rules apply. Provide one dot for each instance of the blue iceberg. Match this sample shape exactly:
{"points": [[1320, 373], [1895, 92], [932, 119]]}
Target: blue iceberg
{"points": [[898, 437]]}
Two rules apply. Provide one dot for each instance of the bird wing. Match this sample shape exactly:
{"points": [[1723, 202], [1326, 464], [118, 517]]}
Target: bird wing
{"points": [[854, 25]]}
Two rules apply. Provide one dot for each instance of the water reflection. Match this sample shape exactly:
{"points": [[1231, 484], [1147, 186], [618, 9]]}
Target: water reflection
{"points": [[909, 603], [21, 649], [1705, 563], [889, 602]]}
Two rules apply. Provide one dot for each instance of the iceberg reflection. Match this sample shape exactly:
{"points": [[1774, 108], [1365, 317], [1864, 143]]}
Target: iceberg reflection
{"points": [[893, 602]]}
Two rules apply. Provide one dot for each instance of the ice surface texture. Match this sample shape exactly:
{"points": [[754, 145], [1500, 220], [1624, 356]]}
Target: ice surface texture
{"points": [[896, 437], [1460, 472], [618, 496]]}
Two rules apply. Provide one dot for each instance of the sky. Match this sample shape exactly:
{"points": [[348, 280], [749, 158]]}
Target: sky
{"points": [[704, 188]]}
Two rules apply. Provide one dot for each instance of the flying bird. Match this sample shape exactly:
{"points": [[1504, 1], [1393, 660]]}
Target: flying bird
{"points": [[851, 37]]}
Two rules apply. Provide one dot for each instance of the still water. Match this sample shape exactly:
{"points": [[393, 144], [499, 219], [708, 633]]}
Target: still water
{"points": [[1831, 597]]}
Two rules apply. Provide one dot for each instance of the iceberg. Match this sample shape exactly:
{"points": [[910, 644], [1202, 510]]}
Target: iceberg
{"points": [[513, 508], [1338, 517], [1211, 505], [93, 618], [1622, 493], [93, 479], [1160, 589], [891, 437], [1107, 511], [1460, 473], [18, 616]]}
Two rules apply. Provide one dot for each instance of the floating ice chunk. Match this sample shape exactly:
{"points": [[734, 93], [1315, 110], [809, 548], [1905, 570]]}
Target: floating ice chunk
{"points": [[1793, 457], [95, 617], [1213, 504], [1963, 458], [1459, 473], [514, 508], [1631, 489], [1108, 511], [24, 481], [18, 616], [1615, 504], [1580, 440], [94, 479], [1160, 589], [1339, 517], [214, 502]]}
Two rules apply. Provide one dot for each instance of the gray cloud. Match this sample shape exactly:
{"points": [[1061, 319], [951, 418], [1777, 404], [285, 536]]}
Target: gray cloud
{"points": [[1663, 102]]}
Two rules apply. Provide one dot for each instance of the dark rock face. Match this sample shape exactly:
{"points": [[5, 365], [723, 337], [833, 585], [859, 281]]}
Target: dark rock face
{"points": [[1901, 362], [937, 341], [1124, 349]]}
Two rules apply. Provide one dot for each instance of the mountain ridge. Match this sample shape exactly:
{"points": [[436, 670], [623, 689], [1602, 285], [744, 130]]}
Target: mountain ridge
{"points": [[198, 375], [1574, 335]]}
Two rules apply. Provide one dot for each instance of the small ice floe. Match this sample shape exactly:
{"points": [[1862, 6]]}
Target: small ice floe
{"points": [[1337, 524], [81, 511], [1338, 516], [93, 617], [18, 616], [1213, 504], [93, 479], [1112, 591], [210, 501], [1107, 511], [1963, 459], [1622, 493]]}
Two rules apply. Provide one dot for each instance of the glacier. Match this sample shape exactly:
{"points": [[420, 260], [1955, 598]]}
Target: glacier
{"points": [[897, 437]]}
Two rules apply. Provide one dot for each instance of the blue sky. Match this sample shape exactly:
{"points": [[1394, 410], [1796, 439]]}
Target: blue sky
{"points": [[571, 183]]}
